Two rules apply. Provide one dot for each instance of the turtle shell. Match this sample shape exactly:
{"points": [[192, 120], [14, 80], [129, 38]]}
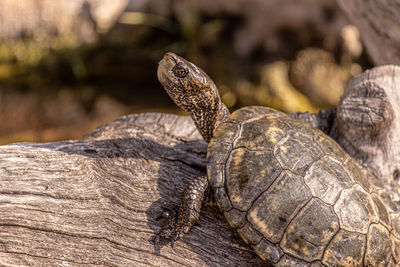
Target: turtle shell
{"points": [[295, 196]]}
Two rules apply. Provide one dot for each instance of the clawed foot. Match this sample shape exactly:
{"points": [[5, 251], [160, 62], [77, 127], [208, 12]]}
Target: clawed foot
{"points": [[170, 229], [176, 226]]}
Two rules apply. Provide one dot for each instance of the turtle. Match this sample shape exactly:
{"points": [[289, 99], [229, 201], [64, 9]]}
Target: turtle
{"points": [[290, 191]]}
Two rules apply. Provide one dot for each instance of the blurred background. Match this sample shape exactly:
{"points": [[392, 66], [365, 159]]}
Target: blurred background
{"points": [[67, 66]]}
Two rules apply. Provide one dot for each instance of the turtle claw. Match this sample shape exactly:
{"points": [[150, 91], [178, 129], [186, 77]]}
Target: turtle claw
{"points": [[176, 225], [178, 234], [170, 230], [167, 231]]}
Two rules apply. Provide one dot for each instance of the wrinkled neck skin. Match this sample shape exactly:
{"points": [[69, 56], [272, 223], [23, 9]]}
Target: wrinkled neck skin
{"points": [[208, 120], [193, 91]]}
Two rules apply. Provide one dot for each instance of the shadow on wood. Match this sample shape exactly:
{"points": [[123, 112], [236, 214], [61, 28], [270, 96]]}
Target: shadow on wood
{"points": [[96, 202]]}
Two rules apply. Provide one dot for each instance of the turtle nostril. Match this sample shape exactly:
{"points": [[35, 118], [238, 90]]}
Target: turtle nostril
{"points": [[396, 174], [169, 56]]}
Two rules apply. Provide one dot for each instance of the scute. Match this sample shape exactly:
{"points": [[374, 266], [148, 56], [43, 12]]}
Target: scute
{"points": [[330, 147], [249, 235], [235, 218], [245, 184], [327, 178], [378, 246], [345, 249], [382, 212], [225, 134], [253, 112], [223, 199], [357, 174], [263, 133], [355, 209], [297, 152], [268, 251], [218, 152], [287, 260], [310, 231], [295, 196], [275, 208]]}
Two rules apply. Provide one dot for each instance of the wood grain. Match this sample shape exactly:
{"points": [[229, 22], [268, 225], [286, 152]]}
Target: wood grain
{"points": [[367, 123], [96, 202]]}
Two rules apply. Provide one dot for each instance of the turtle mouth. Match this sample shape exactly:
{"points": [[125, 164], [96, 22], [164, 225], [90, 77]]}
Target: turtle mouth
{"points": [[165, 65], [162, 71]]}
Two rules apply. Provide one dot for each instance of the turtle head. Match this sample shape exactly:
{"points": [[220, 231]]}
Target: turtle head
{"points": [[188, 85], [193, 91]]}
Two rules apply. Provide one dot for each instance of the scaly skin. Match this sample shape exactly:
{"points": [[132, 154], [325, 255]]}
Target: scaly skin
{"points": [[293, 194], [192, 90], [188, 213]]}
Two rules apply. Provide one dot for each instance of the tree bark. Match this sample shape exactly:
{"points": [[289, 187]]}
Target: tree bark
{"points": [[379, 25], [96, 201]]}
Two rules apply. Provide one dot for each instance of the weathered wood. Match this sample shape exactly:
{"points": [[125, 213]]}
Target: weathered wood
{"points": [[379, 25], [366, 123], [95, 202]]}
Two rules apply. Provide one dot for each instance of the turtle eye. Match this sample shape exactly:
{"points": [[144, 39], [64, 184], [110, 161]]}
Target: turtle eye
{"points": [[180, 72]]}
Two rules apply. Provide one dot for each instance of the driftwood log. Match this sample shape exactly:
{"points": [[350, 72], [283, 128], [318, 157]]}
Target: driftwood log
{"points": [[379, 25], [97, 201]]}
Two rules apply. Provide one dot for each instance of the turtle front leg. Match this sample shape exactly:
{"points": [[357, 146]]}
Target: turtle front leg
{"points": [[188, 213]]}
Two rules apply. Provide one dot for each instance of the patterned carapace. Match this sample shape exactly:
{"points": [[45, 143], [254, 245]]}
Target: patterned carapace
{"points": [[288, 189]]}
